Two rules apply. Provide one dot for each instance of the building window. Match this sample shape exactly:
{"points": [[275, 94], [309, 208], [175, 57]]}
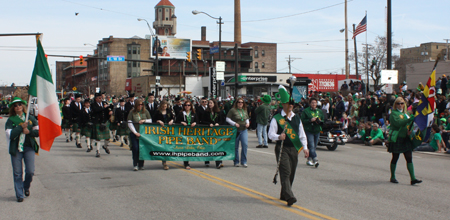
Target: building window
{"points": [[138, 50], [224, 52], [134, 64], [232, 52], [128, 75], [263, 53], [256, 53], [129, 50], [138, 64], [263, 65], [134, 50], [437, 46], [256, 65], [129, 63], [166, 31]]}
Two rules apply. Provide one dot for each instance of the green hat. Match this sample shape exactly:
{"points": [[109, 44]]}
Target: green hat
{"points": [[266, 99], [15, 100], [284, 95], [443, 119], [328, 94]]}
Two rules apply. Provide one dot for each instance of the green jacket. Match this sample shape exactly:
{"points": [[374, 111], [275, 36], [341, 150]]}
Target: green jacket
{"points": [[14, 130], [306, 117], [262, 114], [399, 125], [377, 134]]}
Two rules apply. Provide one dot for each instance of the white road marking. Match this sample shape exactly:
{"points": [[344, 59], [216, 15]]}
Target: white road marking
{"points": [[263, 152]]}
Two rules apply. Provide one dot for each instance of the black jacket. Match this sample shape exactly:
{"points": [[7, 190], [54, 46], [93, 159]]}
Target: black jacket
{"points": [[75, 112], [120, 115], [177, 109], [129, 106], [67, 113], [207, 118], [85, 117], [99, 114], [159, 116], [153, 110], [183, 118]]}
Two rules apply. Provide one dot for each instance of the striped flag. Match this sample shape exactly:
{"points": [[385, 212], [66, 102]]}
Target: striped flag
{"points": [[362, 26], [427, 104], [42, 87]]}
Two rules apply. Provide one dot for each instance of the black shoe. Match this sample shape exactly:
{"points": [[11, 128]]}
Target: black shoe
{"points": [[291, 201], [265, 146], [67, 140], [27, 193], [125, 140], [114, 140], [89, 148], [316, 164], [416, 181], [259, 146], [79, 146], [98, 154], [106, 150], [220, 165], [117, 137], [71, 138], [121, 145], [393, 181], [20, 200]]}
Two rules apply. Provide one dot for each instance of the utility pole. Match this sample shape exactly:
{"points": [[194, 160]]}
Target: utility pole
{"points": [[446, 53], [356, 54], [290, 60], [346, 44]]}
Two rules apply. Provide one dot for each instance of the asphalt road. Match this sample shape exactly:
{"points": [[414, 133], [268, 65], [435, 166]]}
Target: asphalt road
{"points": [[350, 183]]}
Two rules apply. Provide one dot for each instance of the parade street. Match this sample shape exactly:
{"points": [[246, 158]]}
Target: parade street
{"points": [[350, 183]]}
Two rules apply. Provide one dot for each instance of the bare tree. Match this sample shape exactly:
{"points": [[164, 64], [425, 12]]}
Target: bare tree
{"points": [[377, 53]]}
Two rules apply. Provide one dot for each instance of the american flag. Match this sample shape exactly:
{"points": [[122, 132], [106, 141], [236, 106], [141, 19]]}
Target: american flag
{"points": [[362, 26]]}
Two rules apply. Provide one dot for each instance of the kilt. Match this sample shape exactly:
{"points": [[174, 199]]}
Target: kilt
{"points": [[402, 145], [101, 135], [112, 126], [122, 131], [86, 131], [76, 128], [65, 124]]}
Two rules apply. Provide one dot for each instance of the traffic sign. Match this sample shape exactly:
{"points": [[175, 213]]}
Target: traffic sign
{"points": [[220, 66], [115, 58], [222, 83], [74, 88], [213, 50], [220, 75]]}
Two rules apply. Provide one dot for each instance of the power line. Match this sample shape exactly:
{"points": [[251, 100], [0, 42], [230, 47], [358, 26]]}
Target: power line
{"points": [[302, 13]]}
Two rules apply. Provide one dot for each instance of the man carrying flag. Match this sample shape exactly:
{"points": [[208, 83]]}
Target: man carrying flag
{"points": [[286, 129], [42, 87]]}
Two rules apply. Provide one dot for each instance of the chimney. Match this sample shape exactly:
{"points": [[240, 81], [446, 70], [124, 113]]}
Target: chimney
{"points": [[237, 21], [203, 33]]}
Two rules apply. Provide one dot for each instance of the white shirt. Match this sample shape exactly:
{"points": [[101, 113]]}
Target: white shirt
{"points": [[274, 128], [326, 107]]}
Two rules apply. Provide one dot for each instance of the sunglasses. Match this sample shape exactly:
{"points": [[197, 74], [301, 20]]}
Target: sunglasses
{"points": [[187, 105], [400, 103], [240, 102], [17, 105], [141, 104]]}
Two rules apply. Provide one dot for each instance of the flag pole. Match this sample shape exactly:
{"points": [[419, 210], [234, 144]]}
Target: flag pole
{"points": [[367, 61], [28, 108]]}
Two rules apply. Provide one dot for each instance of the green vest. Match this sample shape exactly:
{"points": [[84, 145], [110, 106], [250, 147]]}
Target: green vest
{"points": [[400, 125]]}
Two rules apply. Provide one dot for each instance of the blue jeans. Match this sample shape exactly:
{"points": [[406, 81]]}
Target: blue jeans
{"points": [[28, 158], [261, 131], [425, 147], [135, 151], [243, 137], [313, 140]]}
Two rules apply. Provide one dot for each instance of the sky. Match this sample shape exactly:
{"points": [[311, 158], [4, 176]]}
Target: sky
{"points": [[306, 30]]}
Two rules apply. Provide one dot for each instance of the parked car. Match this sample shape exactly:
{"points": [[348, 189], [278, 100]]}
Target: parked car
{"points": [[34, 110]]}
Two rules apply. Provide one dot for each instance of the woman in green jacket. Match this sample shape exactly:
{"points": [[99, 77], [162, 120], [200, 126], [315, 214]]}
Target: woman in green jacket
{"points": [[399, 140], [20, 136]]}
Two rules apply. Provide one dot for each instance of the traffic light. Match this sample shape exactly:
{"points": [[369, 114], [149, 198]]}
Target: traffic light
{"points": [[199, 54], [81, 59], [188, 56]]}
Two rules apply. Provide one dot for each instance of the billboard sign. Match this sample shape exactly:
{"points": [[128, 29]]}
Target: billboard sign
{"points": [[389, 76], [170, 47]]}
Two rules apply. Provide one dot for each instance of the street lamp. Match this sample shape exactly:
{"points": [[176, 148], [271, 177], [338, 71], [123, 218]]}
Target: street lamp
{"points": [[150, 52], [195, 12]]}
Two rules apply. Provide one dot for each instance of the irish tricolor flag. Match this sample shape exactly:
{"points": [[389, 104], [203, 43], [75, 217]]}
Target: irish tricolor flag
{"points": [[42, 87]]}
